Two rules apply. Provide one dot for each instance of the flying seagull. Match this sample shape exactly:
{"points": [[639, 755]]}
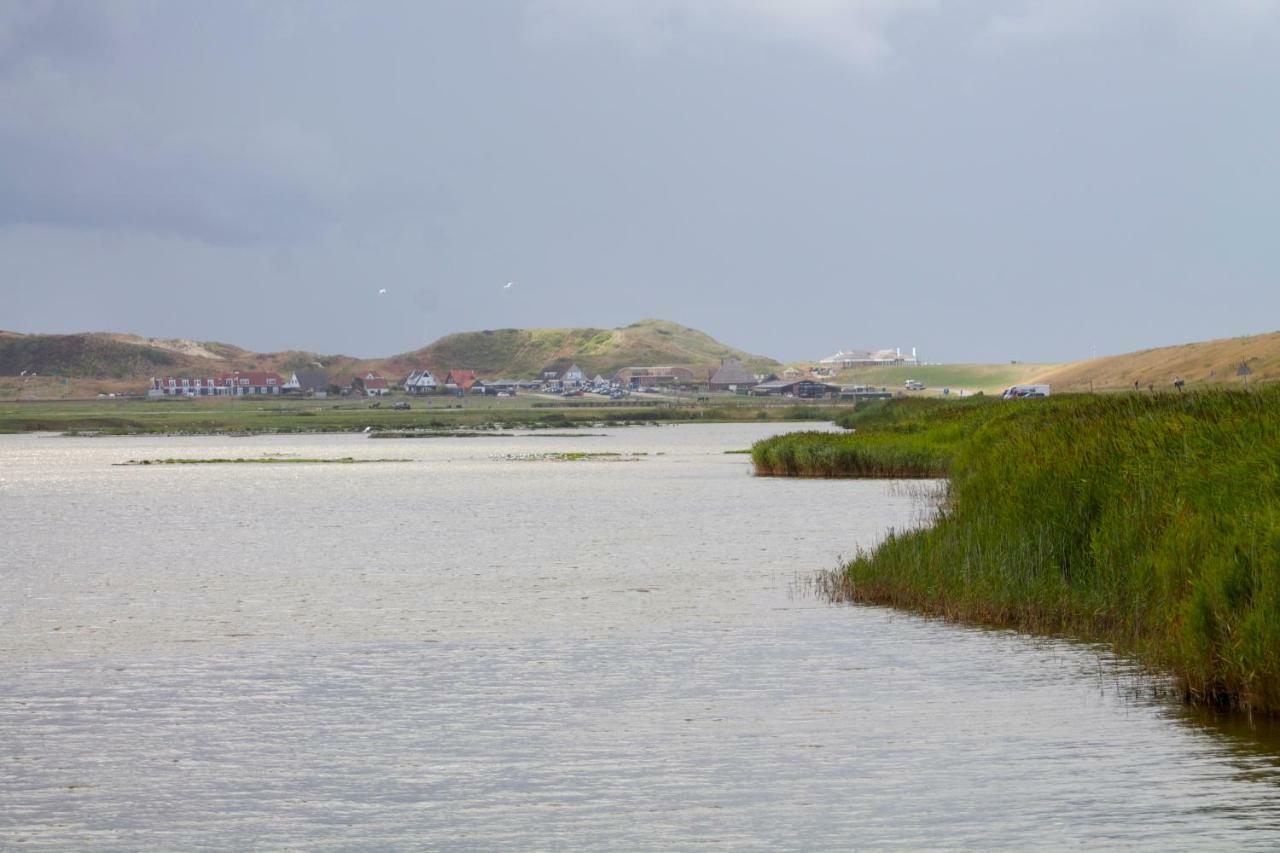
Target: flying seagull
{"points": [[382, 291], [507, 286]]}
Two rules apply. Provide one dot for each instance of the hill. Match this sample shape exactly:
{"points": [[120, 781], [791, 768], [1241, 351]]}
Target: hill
{"points": [[524, 353], [89, 363], [1215, 362]]}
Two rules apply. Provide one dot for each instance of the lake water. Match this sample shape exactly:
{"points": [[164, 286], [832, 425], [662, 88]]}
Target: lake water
{"points": [[471, 651]]}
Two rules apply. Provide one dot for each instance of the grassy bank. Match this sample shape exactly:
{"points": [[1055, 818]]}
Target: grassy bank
{"points": [[1151, 522], [133, 417], [910, 437]]}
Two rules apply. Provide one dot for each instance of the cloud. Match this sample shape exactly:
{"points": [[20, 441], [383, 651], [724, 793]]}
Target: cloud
{"points": [[1031, 21], [855, 32]]}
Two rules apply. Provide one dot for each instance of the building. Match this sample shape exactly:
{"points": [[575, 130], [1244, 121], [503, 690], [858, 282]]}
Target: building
{"points": [[371, 384], [314, 383], [732, 377], [241, 383], [186, 386], [566, 377], [805, 389], [846, 359], [459, 381], [420, 382], [663, 375]]}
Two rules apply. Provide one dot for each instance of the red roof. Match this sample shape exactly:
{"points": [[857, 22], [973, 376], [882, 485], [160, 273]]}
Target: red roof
{"points": [[463, 379], [375, 383], [256, 378]]}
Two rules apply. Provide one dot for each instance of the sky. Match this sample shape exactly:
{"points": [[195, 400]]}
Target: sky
{"points": [[986, 180]]}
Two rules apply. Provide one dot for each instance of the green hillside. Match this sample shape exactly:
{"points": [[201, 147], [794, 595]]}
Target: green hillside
{"points": [[524, 353], [85, 364], [86, 356]]}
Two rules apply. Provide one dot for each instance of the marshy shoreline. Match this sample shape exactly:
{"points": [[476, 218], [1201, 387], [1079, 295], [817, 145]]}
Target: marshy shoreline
{"points": [[1150, 522]]}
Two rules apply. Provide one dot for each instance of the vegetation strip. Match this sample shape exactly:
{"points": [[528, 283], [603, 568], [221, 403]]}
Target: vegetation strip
{"points": [[260, 460], [576, 456], [251, 417], [1148, 521]]}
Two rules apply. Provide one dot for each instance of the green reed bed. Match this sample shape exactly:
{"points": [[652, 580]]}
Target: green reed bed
{"points": [[1151, 522], [895, 439]]}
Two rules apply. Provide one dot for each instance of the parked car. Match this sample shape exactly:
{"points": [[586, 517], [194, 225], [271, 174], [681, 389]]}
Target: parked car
{"points": [[402, 405]]}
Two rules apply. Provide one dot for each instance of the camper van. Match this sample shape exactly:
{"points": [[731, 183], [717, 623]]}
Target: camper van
{"points": [[1018, 392]]}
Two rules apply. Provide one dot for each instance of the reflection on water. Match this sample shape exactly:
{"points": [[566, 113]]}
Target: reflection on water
{"points": [[470, 652]]}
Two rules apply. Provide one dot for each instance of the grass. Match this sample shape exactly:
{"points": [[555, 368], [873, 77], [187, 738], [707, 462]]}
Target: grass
{"points": [[973, 377], [911, 437], [189, 417], [1148, 521]]}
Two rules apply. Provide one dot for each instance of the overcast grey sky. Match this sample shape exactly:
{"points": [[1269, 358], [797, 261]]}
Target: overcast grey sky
{"points": [[992, 180]]}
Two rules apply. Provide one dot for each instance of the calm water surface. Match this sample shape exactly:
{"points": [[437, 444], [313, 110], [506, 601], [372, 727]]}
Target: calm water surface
{"points": [[470, 651]]}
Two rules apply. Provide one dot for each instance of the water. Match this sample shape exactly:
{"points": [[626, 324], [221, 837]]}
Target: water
{"points": [[471, 652]]}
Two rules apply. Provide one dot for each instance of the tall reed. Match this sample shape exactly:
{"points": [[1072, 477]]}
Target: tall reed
{"points": [[1152, 522]]}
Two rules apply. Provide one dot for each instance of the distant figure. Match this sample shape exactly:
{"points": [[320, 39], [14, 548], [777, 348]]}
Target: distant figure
{"points": [[1152, 388], [1135, 385], [1178, 382]]}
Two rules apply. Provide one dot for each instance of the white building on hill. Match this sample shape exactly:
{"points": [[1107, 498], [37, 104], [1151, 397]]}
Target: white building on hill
{"points": [[845, 359]]}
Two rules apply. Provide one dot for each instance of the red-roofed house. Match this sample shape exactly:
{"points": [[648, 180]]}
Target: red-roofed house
{"points": [[371, 384], [238, 383], [460, 381]]}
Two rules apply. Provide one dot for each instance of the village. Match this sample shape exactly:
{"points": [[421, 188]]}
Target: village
{"points": [[556, 380]]}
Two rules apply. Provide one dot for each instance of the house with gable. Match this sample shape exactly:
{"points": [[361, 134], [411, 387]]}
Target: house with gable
{"points": [[420, 382], [732, 377], [459, 381], [371, 384], [314, 383]]}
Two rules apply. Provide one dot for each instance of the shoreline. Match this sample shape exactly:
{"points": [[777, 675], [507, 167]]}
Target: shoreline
{"points": [[1148, 523]]}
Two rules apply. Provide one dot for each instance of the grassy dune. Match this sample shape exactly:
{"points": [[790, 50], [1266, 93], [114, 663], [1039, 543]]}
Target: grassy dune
{"points": [[1151, 522], [1201, 364]]}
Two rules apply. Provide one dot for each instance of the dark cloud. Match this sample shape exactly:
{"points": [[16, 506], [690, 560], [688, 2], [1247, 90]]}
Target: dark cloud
{"points": [[792, 177]]}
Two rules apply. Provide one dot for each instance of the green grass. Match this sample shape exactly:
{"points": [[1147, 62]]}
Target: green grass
{"points": [[129, 417], [910, 437], [975, 377], [1151, 522]]}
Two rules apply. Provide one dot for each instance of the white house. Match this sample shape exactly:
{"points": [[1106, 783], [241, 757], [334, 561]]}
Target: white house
{"points": [[420, 382]]}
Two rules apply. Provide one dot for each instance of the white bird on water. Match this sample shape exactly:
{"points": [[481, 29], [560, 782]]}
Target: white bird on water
{"points": [[507, 286]]}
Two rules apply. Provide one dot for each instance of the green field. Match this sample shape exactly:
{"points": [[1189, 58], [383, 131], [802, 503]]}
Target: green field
{"points": [[126, 417], [1149, 521], [970, 377]]}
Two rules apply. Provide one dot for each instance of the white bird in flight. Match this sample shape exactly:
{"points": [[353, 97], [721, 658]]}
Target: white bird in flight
{"points": [[507, 286], [382, 291]]}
